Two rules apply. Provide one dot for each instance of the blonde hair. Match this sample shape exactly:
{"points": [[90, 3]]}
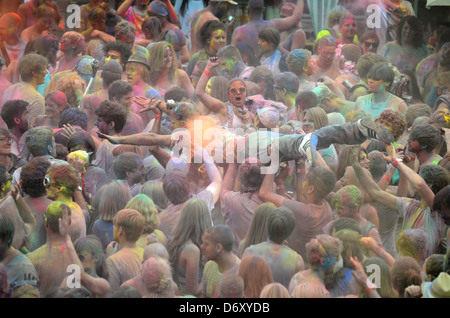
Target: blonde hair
{"points": [[318, 116], [274, 290], [144, 205], [310, 290], [157, 61]]}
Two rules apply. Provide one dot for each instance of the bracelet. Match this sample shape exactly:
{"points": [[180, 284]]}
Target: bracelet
{"points": [[281, 187], [301, 170], [206, 73], [395, 163], [158, 115], [385, 177], [379, 250]]}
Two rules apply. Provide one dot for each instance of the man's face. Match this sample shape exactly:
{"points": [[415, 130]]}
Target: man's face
{"points": [[407, 34], [113, 55], [126, 101], [237, 94], [209, 247], [444, 54], [102, 125], [348, 28], [136, 175], [228, 66], [134, 73], [326, 55], [40, 76], [308, 68], [52, 189], [22, 122], [5, 144]]}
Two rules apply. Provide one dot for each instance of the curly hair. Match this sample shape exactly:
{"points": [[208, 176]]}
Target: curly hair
{"points": [[157, 276], [250, 176], [65, 176], [32, 176], [119, 46], [435, 175], [65, 85], [111, 111], [320, 248], [395, 120]]}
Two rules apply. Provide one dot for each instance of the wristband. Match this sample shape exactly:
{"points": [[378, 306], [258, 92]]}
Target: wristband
{"points": [[301, 170], [385, 177], [206, 73], [158, 116], [281, 187], [368, 289], [378, 251], [395, 163]]}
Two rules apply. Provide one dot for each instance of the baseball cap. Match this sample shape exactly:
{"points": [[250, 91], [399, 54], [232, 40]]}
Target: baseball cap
{"points": [[269, 116], [113, 66], [322, 93], [158, 8]]}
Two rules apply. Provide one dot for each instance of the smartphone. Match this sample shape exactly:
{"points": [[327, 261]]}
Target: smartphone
{"points": [[230, 18]]}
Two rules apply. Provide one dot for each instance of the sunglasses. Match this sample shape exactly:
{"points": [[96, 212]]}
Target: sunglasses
{"points": [[369, 44], [47, 182], [234, 90]]}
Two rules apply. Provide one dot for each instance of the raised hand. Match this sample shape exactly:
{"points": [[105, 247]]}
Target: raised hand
{"points": [[68, 130], [392, 155], [148, 104], [213, 62], [64, 223]]}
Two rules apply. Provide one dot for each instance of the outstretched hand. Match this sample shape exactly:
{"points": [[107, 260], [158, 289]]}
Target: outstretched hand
{"points": [[148, 104], [111, 139]]}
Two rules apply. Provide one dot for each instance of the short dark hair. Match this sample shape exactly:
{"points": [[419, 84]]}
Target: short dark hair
{"points": [[125, 162], [223, 235], [119, 89], [176, 187], [288, 81], [323, 180], [111, 111], [382, 71], [74, 117], [428, 136], [177, 94], [13, 109], [32, 176], [306, 99], [119, 46], [280, 224], [435, 175], [366, 61]]}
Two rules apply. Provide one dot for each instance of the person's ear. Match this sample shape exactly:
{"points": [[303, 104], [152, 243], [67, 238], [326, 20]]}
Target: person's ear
{"points": [[17, 120], [310, 189], [219, 247]]}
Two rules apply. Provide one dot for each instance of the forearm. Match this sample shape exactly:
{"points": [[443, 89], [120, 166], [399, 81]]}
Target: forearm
{"points": [[146, 139], [79, 199], [266, 186], [124, 7], [172, 13], [230, 177], [384, 182], [369, 185]]}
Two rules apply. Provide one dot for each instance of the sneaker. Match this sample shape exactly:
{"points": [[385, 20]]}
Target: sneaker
{"points": [[307, 145], [371, 130]]}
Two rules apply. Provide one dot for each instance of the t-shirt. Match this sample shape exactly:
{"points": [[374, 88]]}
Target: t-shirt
{"points": [[309, 221], [104, 159], [20, 270], [393, 102], [212, 277], [104, 230], [271, 62], [281, 259], [238, 209], [136, 16], [124, 265], [332, 72], [417, 215], [404, 58]]}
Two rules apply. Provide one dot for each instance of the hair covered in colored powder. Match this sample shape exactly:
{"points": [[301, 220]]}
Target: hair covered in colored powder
{"points": [[349, 196]]}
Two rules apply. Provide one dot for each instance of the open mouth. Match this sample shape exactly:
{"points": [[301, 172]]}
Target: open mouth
{"points": [[238, 99]]}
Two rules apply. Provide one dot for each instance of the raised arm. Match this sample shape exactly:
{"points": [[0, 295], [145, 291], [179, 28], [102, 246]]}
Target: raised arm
{"points": [[369, 185], [229, 178], [289, 22], [215, 187], [23, 208], [124, 7], [161, 155], [215, 105], [413, 178], [265, 191], [96, 285]]}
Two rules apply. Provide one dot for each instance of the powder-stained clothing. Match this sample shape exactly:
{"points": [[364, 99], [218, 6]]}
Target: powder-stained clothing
{"points": [[281, 259], [20, 269], [309, 221], [124, 265], [417, 215], [393, 102], [238, 209], [104, 159], [212, 277]]}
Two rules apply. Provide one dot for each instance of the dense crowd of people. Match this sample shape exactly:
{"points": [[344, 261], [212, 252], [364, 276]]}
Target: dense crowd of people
{"points": [[163, 149]]}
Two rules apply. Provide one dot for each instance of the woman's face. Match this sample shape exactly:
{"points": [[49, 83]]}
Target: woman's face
{"points": [[237, 94], [264, 46], [363, 160], [45, 23], [308, 124], [51, 108], [407, 34], [376, 86], [217, 41], [5, 144], [168, 57]]}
